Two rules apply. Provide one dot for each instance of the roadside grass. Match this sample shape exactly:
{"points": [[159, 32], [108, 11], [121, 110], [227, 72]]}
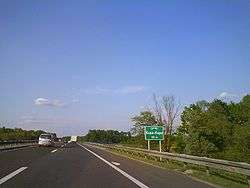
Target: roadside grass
{"points": [[217, 178]]}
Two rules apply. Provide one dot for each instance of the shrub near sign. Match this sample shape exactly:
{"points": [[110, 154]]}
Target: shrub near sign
{"points": [[154, 132]]}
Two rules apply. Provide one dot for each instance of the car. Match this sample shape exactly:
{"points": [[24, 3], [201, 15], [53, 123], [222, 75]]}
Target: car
{"points": [[46, 140]]}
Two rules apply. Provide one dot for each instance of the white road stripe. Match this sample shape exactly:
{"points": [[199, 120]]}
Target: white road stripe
{"points": [[54, 151], [115, 163], [11, 175], [137, 182]]}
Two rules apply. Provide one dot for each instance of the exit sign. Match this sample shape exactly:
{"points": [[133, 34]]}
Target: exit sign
{"points": [[154, 132]]}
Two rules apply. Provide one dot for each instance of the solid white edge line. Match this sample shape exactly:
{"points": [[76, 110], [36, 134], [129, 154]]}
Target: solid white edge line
{"points": [[11, 175], [137, 182], [53, 151]]}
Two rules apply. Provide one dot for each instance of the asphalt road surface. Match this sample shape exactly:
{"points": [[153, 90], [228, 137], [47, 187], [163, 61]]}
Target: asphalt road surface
{"points": [[74, 165]]}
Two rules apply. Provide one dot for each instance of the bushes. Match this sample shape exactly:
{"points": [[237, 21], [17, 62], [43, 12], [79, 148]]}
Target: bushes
{"points": [[217, 129], [106, 136], [18, 134], [240, 149]]}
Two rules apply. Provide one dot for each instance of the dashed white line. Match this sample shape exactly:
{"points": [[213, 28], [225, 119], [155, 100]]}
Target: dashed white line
{"points": [[137, 182], [115, 163], [54, 151], [11, 175]]}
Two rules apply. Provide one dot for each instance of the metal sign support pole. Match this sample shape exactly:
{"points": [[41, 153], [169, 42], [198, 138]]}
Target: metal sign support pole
{"points": [[160, 149], [148, 144], [160, 145]]}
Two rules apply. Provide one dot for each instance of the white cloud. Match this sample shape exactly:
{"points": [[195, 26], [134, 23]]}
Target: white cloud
{"points": [[121, 90], [48, 120], [130, 89], [41, 101], [227, 95], [47, 102], [97, 91]]}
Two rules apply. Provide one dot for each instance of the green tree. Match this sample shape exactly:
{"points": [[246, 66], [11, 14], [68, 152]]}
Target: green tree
{"points": [[106, 136], [240, 149], [207, 127], [217, 129], [18, 134], [139, 121]]}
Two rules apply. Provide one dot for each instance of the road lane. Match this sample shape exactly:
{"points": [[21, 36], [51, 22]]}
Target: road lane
{"points": [[11, 175], [12, 159], [125, 174], [150, 175], [74, 166], [70, 166]]}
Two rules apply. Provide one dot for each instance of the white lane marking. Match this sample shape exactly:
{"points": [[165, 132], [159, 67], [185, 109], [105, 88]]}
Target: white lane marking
{"points": [[54, 151], [115, 163], [137, 182], [11, 175]]}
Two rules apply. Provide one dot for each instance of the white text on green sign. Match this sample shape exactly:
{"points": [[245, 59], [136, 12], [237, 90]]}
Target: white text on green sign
{"points": [[154, 132]]}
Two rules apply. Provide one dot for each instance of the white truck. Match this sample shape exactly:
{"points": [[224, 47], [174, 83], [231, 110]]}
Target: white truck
{"points": [[73, 139]]}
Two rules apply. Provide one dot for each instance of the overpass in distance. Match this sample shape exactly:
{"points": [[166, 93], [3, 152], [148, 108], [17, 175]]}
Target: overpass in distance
{"points": [[75, 165]]}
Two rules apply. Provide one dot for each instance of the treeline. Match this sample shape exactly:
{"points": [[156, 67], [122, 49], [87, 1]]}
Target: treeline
{"points": [[106, 136], [18, 134], [215, 129], [66, 138]]}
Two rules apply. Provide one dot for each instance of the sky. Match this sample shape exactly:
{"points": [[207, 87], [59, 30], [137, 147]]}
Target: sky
{"points": [[71, 66]]}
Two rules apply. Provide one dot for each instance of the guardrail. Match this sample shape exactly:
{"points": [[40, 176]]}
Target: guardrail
{"points": [[11, 144], [230, 166]]}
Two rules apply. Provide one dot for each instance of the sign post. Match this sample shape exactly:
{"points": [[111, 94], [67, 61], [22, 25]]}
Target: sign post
{"points": [[160, 145], [154, 133]]}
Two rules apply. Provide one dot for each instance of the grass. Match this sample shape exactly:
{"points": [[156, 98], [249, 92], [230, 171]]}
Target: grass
{"points": [[218, 178]]}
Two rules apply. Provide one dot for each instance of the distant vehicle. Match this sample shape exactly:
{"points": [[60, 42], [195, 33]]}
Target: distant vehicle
{"points": [[46, 140], [73, 139]]}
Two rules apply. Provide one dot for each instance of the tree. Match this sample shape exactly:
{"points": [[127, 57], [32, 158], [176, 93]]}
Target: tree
{"points": [[106, 136], [240, 149], [139, 121], [18, 134], [158, 111], [171, 110], [166, 112], [193, 126], [217, 129]]}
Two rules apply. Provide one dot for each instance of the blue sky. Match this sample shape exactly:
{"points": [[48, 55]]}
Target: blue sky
{"points": [[68, 66]]}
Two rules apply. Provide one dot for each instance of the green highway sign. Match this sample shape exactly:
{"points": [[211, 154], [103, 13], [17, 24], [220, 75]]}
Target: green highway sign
{"points": [[154, 132]]}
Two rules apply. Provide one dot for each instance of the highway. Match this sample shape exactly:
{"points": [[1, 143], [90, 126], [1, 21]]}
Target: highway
{"points": [[75, 165]]}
